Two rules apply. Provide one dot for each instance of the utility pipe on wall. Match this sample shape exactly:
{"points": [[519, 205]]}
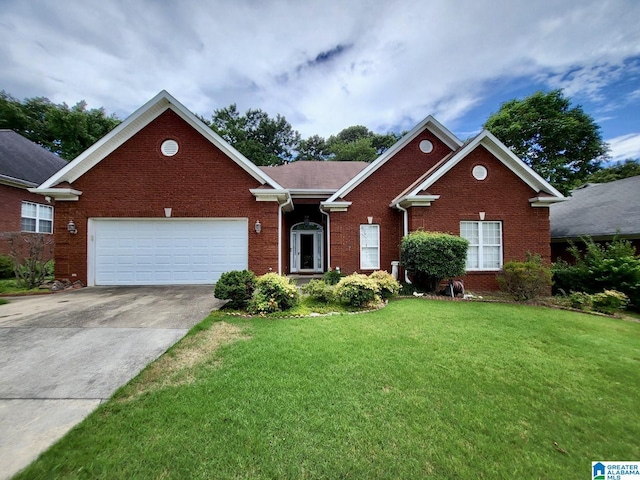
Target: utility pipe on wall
{"points": [[405, 224]]}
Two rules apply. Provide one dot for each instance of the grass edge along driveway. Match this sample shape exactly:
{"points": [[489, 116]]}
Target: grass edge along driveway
{"points": [[418, 389]]}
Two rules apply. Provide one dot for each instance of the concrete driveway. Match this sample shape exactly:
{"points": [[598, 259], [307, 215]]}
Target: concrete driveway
{"points": [[61, 355]]}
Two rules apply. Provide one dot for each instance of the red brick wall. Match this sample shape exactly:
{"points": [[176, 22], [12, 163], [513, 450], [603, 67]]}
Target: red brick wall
{"points": [[11, 199], [502, 196], [138, 181], [372, 198]]}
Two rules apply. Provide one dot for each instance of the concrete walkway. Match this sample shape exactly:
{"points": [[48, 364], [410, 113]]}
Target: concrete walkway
{"points": [[61, 355]]}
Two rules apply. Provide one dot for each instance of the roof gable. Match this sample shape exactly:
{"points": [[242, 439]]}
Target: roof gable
{"points": [[25, 163], [136, 122], [429, 123], [499, 151]]}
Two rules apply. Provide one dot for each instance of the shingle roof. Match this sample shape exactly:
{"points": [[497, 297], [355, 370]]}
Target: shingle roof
{"points": [[314, 175], [23, 160], [598, 210]]}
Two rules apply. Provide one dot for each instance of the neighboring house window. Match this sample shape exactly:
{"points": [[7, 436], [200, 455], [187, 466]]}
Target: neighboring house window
{"points": [[369, 247], [485, 244], [36, 218]]}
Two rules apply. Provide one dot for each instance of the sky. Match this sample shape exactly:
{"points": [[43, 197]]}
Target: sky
{"points": [[326, 65]]}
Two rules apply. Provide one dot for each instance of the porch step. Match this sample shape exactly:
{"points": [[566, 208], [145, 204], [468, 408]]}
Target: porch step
{"points": [[302, 279]]}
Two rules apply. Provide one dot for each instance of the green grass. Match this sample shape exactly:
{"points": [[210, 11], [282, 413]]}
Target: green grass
{"points": [[10, 287], [418, 389]]}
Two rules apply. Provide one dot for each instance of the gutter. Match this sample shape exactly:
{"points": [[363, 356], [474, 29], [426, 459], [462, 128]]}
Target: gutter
{"points": [[405, 228], [328, 236], [281, 208]]}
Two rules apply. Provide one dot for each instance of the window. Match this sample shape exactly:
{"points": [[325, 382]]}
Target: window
{"points": [[485, 244], [369, 247], [36, 218]]}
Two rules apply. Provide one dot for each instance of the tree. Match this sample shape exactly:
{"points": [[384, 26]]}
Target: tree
{"points": [[313, 148], [358, 143], [626, 169], [561, 143], [260, 138], [63, 130]]}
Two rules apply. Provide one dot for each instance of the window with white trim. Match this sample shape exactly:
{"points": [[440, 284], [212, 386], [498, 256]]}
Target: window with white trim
{"points": [[369, 247], [36, 218], [485, 245]]}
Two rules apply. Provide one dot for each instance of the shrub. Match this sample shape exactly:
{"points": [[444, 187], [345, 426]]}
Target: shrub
{"points": [[433, 256], [612, 266], [525, 280], [387, 285], [320, 291], [273, 293], [609, 301], [332, 277], [357, 290], [580, 300], [6, 267], [236, 286]]}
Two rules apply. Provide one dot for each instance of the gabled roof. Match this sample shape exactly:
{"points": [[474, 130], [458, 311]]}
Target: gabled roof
{"points": [[428, 123], [546, 193], [132, 125], [599, 210], [24, 163]]}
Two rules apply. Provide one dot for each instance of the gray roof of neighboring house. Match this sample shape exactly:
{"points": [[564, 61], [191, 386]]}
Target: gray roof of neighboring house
{"points": [[314, 175], [599, 210], [24, 162]]}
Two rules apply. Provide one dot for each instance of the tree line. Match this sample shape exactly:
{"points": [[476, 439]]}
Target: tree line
{"points": [[561, 142]]}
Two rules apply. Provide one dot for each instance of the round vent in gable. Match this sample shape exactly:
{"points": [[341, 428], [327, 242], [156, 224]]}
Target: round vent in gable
{"points": [[479, 172], [426, 146], [169, 148]]}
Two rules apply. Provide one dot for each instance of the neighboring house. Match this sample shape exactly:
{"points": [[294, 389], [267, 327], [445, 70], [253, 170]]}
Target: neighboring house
{"points": [[24, 165], [598, 210], [162, 199]]}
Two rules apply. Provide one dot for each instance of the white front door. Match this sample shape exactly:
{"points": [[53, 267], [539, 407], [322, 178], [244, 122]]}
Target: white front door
{"points": [[307, 248]]}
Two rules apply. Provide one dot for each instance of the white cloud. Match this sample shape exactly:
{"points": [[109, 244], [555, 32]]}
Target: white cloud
{"points": [[624, 147], [401, 60]]}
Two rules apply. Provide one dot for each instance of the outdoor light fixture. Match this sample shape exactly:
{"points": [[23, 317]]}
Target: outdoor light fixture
{"points": [[258, 226], [71, 227], [482, 216], [167, 212]]}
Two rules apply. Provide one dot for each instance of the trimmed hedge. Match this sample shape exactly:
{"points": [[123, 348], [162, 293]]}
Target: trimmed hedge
{"points": [[433, 256], [273, 293], [236, 286]]}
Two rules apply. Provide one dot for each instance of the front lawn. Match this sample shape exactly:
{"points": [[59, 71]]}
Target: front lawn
{"points": [[10, 287], [418, 389]]}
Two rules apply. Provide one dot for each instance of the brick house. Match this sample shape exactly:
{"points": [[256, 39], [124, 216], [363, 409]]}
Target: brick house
{"points": [[162, 199], [24, 165]]}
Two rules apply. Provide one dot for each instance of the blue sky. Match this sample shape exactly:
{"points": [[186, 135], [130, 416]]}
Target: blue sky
{"points": [[326, 65]]}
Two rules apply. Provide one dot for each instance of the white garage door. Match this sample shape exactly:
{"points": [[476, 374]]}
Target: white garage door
{"points": [[167, 251]]}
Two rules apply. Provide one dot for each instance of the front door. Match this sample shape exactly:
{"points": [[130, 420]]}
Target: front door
{"points": [[307, 248]]}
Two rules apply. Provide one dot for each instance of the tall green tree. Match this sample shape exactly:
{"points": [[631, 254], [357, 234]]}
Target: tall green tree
{"points": [[65, 131], [626, 169], [260, 138], [563, 144], [313, 148], [358, 143]]}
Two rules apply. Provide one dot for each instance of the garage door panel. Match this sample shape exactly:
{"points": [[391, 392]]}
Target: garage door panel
{"points": [[164, 252]]}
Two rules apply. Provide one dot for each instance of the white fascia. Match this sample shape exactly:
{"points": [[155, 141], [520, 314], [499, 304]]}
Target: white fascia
{"points": [[415, 201], [282, 196], [312, 193], [429, 123], [335, 206], [545, 201], [60, 194]]}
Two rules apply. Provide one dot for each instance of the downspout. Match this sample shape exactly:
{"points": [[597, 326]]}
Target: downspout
{"points": [[405, 225], [328, 237], [280, 210]]}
